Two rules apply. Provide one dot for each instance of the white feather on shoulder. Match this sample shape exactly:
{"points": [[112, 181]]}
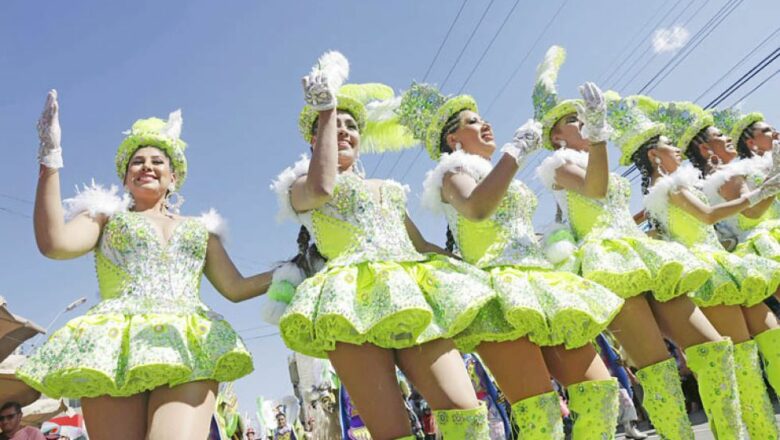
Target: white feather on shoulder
{"points": [[214, 223], [471, 164], [711, 184], [282, 184], [96, 200], [657, 199], [546, 170]]}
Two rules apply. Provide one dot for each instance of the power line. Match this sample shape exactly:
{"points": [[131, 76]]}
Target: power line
{"points": [[427, 72], [690, 46], [13, 212], [756, 87], [755, 49], [267, 335], [533, 46], [468, 41], [17, 199], [745, 78], [487, 49]]}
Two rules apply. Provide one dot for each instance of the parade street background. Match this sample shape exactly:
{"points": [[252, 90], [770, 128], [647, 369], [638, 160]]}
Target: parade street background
{"points": [[234, 68]]}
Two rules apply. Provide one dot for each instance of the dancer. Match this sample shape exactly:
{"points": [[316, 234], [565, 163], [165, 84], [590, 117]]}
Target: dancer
{"points": [[147, 359], [652, 276], [378, 302], [489, 216], [731, 299]]}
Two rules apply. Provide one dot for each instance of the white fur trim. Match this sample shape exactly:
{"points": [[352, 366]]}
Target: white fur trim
{"points": [[657, 199], [559, 251], [96, 200], [546, 170], [214, 223], [271, 310], [289, 272], [281, 186], [471, 164], [711, 184]]}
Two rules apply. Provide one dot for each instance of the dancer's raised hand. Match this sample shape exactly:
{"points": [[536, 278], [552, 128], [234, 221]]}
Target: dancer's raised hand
{"points": [[593, 113], [49, 133]]}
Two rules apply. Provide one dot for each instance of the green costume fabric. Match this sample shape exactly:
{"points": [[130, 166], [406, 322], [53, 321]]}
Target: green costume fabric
{"points": [[769, 347], [613, 251], [736, 280], [713, 364], [539, 417], [757, 411], [150, 328], [375, 287], [533, 299], [463, 424], [664, 400], [594, 405]]}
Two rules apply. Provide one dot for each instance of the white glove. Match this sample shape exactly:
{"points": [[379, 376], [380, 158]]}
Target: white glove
{"points": [[770, 188], [775, 159], [525, 141], [49, 134], [593, 114], [318, 92]]}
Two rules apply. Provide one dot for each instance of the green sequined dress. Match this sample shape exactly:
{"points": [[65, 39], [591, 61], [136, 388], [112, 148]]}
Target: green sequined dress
{"points": [[375, 287], [613, 250], [150, 328], [754, 236], [550, 307], [736, 280]]}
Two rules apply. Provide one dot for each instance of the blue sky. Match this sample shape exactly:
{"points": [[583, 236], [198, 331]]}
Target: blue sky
{"points": [[234, 69]]}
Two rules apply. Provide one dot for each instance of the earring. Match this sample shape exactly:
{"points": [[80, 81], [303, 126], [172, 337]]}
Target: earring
{"points": [[173, 200], [713, 161], [562, 143], [657, 160], [458, 146]]}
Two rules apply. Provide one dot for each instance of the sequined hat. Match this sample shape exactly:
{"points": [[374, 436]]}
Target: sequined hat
{"points": [[548, 108], [631, 124], [155, 132], [424, 110], [682, 120], [733, 122]]}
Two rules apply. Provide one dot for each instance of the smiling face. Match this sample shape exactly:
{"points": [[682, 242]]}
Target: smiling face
{"points": [[665, 157], [347, 138], [762, 136], [719, 145], [474, 134], [568, 131], [149, 173]]}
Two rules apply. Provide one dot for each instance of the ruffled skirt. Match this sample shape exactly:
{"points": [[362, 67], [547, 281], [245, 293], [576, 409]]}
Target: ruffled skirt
{"points": [[763, 241], [119, 354], [549, 307], [736, 280], [631, 265], [390, 304]]}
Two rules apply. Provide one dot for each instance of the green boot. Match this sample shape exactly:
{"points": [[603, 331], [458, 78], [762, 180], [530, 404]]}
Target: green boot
{"points": [[769, 346], [757, 411], [539, 417], [594, 405], [664, 400], [713, 365], [463, 424]]}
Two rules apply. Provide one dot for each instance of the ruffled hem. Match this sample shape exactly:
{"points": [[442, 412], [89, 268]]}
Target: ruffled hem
{"points": [[736, 280], [122, 355], [551, 308], [389, 304], [763, 242]]}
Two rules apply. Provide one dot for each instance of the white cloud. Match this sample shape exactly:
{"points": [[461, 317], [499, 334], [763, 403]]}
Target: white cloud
{"points": [[671, 39]]}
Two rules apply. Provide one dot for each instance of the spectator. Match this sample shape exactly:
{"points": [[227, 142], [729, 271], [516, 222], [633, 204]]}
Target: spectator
{"points": [[250, 433], [11, 424]]}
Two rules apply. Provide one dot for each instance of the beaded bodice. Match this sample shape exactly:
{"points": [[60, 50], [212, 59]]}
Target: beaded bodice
{"points": [[600, 216], [355, 226], [138, 273], [506, 238]]}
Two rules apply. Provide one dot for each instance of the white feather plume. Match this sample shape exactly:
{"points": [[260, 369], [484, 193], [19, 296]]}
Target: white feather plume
{"points": [[657, 199], [383, 110], [96, 200], [215, 224], [282, 184], [172, 128], [546, 170], [335, 66], [471, 164]]}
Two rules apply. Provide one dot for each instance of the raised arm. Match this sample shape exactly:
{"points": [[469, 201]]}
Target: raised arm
{"points": [[735, 188], [225, 277], [56, 238]]}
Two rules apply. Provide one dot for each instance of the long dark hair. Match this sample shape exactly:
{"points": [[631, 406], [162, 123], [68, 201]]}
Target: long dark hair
{"points": [[451, 126], [309, 258], [645, 167], [694, 152], [742, 148]]}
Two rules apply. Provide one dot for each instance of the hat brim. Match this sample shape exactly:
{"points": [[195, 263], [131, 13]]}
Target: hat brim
{"points": [[309, 116], [743, 123], [693, 129], [443, 114], [552, 117], [629, 147]]}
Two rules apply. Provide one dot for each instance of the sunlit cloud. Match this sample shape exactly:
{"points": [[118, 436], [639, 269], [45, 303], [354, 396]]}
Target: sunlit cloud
{"points": [[670, 39]]}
